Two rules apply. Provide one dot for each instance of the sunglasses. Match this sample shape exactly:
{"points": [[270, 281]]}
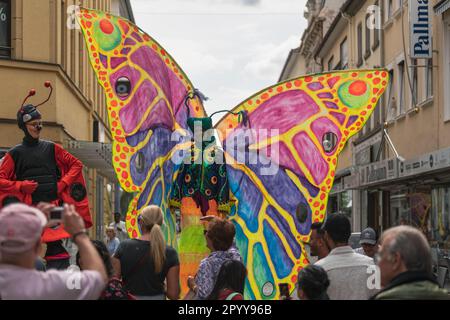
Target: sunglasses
{"points": [[36, 125]]}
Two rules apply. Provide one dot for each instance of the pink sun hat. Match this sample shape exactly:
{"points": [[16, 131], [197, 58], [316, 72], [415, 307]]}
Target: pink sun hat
{"points": [[20, 228]]}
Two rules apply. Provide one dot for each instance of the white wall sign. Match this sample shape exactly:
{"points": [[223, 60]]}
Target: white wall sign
{"points": [[420, 29], [425, 163], [378, 172]]}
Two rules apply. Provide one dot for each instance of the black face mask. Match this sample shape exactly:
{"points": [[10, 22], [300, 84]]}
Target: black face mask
{"points": [[26, 114]]}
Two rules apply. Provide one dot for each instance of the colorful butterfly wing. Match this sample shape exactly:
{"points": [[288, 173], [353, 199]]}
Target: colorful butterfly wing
{"points": [[145, 94], [281, 148]]}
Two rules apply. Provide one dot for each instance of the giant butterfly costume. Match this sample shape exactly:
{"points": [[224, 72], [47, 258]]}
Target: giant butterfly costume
{"points": [[307, 122]]}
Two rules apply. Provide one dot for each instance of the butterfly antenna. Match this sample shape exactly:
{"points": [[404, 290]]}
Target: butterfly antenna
{"points": [[192, 95], [199, 94], [47, 85], [31, 93]]}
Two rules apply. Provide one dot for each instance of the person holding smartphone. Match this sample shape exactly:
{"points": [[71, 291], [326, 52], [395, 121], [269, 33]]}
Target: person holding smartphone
{"points": [[20, 243]]}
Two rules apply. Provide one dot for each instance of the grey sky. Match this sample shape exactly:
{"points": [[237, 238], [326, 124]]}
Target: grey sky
{"points": [[230, 49]]}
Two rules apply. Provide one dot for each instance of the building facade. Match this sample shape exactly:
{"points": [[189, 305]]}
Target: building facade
{"points": [[397, 170], [39, 42]]}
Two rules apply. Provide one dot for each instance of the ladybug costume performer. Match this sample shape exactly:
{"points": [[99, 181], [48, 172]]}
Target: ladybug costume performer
{"points": [[41, 171]]}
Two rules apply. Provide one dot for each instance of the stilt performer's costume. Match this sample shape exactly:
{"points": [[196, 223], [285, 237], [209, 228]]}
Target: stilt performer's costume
{"points": [[41, 171], [276, 178]]}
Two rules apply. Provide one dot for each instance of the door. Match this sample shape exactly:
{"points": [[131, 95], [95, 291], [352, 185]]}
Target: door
{"points": [[99, 206], [374, 211]]}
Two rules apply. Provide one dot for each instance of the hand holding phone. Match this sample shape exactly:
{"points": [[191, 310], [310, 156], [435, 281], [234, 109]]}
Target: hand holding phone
{"points": [[56, 214]]}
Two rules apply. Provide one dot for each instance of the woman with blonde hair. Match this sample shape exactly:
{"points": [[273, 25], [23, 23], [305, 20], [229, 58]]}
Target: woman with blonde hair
{"points": [[146, 264]]}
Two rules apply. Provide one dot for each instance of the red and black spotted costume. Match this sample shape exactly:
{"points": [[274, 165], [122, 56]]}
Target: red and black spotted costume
{"points": [[42, 171]]}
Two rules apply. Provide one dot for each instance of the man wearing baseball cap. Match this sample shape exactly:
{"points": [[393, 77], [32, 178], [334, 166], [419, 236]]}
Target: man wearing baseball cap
{"points": [[368, 242], [21, 227]]}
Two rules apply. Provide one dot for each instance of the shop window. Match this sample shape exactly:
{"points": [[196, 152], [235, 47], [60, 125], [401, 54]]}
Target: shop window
{"points": [[341, 202], [440, 218], [411, 207], [99, 205], [332, 204], [5, 28]]}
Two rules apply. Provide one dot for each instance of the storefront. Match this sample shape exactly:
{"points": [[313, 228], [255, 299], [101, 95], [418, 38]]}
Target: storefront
{"points": [[341, 195], [413, 192], [101, 181], [375, 180], [404, 193]]}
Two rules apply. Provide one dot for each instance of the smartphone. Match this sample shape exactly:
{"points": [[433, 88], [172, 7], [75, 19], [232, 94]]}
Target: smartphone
{"points": [[284, 290], [56, 214]]}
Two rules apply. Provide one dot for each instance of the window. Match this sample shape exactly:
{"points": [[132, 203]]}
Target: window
{"points": [[341, 203], [63, 36], [447, 68], [5, 28], [440, 217], [401, 88], [81, 65], [414, 97], [390, 9], [330, 63], [367, 54], [376, 115], [344, 54], [390, 96], [376, 32], [429, 79], [360, 49], [72, 55], [322, 4]]}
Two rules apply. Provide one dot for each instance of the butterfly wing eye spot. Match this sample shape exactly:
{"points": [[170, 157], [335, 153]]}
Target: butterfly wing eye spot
{"points": [[329, 142], [301, 213], [140, 162], [123, 87]]}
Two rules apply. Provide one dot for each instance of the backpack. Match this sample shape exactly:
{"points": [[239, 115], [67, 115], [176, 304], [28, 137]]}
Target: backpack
{"points": [[232, 295], [115, 291]]}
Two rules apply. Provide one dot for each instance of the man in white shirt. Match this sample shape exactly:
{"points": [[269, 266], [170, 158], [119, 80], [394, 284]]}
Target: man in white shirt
{"points": [[119, 226], [348, 271], [20, 234]]}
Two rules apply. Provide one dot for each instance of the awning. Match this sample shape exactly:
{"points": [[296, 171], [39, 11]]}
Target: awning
{"points": [[442, 6], [94, 155]]}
